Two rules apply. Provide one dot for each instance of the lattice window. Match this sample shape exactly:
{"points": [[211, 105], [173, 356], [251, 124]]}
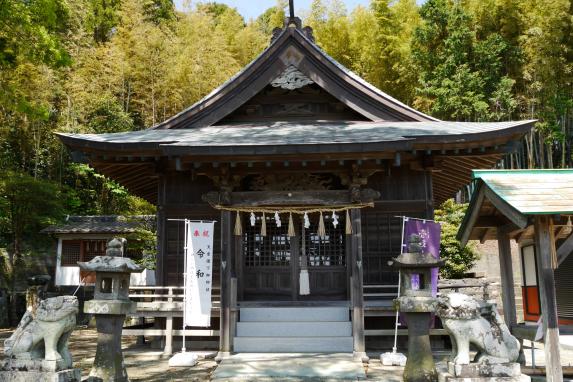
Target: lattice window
{"points": [[93, 248], [271, 250], [327, 251], [70, 253]]}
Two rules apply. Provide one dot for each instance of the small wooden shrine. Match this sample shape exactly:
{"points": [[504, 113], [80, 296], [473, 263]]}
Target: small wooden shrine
{"points": [[295, 137]]}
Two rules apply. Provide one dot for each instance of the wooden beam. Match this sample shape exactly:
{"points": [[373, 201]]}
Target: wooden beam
{"points": [[489, 222], [506, 273], [506, 209], [565, 249], [225, 340], [544, 247], [357, 286], [524, 233], [291, 198], [483, 237], [473, 215]]}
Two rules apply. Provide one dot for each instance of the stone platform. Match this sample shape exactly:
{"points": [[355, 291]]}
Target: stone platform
{"points": [[25, 370], [289, 367], [481, 372]]}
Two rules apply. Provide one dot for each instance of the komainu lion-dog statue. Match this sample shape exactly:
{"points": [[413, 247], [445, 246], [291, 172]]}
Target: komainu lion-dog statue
{"points": [[43, 335], [469, 321]]}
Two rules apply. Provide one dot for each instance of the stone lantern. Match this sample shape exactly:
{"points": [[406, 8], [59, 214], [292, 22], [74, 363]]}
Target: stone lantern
{"points": [[417, 304], [110, 305]]}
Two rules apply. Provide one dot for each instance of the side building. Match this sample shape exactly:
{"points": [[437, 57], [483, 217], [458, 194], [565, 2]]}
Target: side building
{"points": [[81, 238]]}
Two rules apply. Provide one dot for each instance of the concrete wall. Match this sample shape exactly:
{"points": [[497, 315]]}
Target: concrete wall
{"points": [[489, 268]]}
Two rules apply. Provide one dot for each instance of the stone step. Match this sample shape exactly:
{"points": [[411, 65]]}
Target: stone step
{"points": [[293, 344], [294, 329], [313, 314]]}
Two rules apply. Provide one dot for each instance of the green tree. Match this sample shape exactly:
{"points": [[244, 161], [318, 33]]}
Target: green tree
{"points": [[458, 259], [26, 206], [459, 71], [103, 18]]}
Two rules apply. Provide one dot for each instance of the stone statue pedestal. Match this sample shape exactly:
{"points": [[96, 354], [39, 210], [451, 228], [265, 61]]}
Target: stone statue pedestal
{"points": [[27, 370], [420, 365], [482, 372], [108, 363]]}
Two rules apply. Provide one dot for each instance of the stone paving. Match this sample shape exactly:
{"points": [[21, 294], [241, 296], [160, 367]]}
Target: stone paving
{"points": [[146, 364]]}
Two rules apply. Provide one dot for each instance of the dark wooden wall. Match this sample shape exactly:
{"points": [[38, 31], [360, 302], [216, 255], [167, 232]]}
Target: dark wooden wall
{"points": [[180, 198], [403, 192]]}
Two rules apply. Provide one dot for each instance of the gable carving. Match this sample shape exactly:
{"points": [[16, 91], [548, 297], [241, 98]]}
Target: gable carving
{"points": [[291, 79]]}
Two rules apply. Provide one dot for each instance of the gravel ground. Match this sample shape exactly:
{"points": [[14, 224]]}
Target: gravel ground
{"points": [[143, 363], [146, 364]]}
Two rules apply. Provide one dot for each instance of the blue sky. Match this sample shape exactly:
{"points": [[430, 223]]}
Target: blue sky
{"points": [[253, 8]]}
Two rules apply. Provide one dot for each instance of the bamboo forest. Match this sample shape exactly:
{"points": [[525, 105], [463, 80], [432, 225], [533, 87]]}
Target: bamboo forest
{"points": [[101, 66]]}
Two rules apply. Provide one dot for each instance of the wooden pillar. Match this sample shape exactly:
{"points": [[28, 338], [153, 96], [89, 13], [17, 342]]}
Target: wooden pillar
{"points": [[357, 286], [506, 273], [160, 234], [168, 350], [544, 252], [225, 340]]}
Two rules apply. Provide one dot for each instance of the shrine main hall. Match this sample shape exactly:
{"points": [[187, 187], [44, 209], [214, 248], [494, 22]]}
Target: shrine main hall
{"points": [[306, 168]]}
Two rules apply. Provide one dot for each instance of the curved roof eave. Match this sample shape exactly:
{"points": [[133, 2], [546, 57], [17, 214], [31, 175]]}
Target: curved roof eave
{"points": [[222, 140]]}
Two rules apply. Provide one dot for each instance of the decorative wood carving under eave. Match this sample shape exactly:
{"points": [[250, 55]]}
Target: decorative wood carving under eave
{"points": [[291, 79], [331, 198], [292, 182]]}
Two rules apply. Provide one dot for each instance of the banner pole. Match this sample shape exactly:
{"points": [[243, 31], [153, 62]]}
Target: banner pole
{"points": [[185, 253], [395, 348]]}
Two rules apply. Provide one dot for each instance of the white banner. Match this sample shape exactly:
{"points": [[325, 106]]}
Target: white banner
{"points": [[198, 273]]}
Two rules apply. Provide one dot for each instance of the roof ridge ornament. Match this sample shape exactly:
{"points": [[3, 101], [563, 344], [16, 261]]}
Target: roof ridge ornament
{"points": [[291, 21]]}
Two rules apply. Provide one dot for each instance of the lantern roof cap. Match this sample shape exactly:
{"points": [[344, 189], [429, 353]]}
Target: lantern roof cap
{"points": [[112, 264], [417, 260]]}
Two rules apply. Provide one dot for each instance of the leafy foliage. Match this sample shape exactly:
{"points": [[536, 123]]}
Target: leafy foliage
{"points": [[26, 206], [458, 260]]}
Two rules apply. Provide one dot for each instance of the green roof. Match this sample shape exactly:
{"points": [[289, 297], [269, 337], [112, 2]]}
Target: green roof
{"points": [[517, 195], [532, 192]]}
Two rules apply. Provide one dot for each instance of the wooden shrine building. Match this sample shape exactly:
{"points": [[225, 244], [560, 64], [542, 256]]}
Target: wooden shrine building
{"points": [[295, 132]]}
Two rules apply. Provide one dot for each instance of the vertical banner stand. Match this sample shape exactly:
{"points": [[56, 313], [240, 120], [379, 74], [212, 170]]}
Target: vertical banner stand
{"points": [[184, 359], [394, 358]]}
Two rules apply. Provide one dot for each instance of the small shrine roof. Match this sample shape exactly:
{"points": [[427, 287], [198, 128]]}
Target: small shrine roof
{"points": [[102, 224], [504, 197]]}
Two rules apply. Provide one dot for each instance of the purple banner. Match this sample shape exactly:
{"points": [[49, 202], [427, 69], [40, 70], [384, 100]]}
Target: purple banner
{"points": [[429, 231]]}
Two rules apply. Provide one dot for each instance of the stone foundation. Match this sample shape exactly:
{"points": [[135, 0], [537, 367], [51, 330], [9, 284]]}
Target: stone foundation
{"points": [[22, 370], [69, 375], [481, 372]]}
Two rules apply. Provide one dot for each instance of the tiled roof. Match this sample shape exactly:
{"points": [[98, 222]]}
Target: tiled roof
{"points": [[110, 224], [293, 133], [532, 192]]}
